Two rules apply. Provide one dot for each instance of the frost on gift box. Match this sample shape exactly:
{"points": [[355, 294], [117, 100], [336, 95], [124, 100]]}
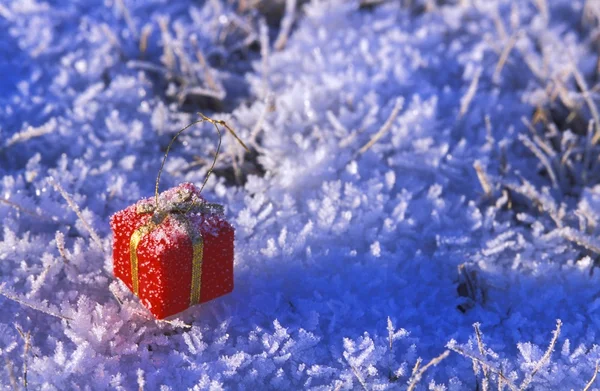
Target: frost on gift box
{"points": [[175, 255]]}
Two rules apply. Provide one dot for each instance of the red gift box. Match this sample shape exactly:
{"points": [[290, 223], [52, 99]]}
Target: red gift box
{"points": [[175, 255]]}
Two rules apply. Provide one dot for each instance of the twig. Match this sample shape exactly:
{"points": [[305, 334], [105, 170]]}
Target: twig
{"points": [[542, 6], [59, 237], [25, 210], [504, 56], [286, 24], [581, 239], [545, 358], [175, 323], [26, 304], [481, 346], [416, 377], [27, 338], [11, 374], [483, 363], [77, 211], [588, 100], [541, 156], [130, 25], [265, 51], [465, 101], [208, 75], [32, 132], [360, 379], [386, 126], [210, 170], [256, 129], [200, 91], [593, 379], [482, 176], [146, 31], [168, 58], [140, 379]]}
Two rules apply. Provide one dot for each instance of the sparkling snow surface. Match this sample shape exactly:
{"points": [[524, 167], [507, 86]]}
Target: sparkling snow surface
{"points": [[353, 259]]}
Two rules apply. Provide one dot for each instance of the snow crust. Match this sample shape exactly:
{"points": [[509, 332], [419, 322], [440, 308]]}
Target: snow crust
{"points": [[401, 199]]}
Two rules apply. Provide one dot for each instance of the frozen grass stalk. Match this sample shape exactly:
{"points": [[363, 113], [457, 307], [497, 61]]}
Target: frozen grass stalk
{"points": [[418, 372], [77, 211], [386, 126]]}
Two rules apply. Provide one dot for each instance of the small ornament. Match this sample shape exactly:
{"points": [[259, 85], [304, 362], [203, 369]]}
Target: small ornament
{"points": [[174, 250]]}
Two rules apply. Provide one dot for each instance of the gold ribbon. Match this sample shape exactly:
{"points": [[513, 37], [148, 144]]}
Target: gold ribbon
{"points": [[158, 217]]}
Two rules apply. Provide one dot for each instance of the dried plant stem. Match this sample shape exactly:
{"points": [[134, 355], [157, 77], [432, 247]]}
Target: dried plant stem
{"points": [[265, 52], [26, 304], [545, 358], [588, 100], [483, 363], [32, 132], [386, 126], [203, 119], [77, 211], [593, 379], [59, 237], [504, 56], [580, 239], [286, 24], [208, 75], [146, 31], [11, 374], [27, 338], [258, 127], [483, 180], [360, 379], [541, 156], [418, 373], [465, 101], [20, 208], [481, 346], [127, 17]]}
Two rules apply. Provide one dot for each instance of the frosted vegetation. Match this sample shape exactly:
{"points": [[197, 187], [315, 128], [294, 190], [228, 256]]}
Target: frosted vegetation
{"points": [[419, 210]]}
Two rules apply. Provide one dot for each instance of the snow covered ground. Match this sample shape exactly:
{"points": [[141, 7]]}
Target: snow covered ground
{"points": [[424, 184]]}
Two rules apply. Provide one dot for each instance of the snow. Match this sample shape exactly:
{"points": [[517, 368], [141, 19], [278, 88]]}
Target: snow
{"points": [[417, 168]]}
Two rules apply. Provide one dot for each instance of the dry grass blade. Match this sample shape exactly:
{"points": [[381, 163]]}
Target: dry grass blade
{"points": [[541, 156], [59, 237], [481, 346], [32, 132], [146, 31], [77, 211], [483, 363], [386, 126], [26, 304], [465, 101], [224, 124], [360, 379], [265, 52], [504, 56], [208, 75], [482, 176], [127, 16], [593, 379], [11, 374], [286, 25], [25, 210], [418, 373], [27, 338], [580, 239], [210, 170], [545, 358], [581, 83]]}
